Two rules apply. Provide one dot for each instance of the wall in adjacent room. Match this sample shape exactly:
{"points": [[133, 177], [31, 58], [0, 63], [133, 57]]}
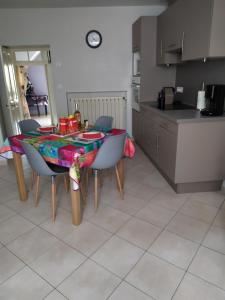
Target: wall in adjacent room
{"points": [[75, 66], [38, 79], [191, 75]]}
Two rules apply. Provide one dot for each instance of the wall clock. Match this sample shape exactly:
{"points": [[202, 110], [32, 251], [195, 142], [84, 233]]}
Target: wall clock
{"points": [[93, 38]]}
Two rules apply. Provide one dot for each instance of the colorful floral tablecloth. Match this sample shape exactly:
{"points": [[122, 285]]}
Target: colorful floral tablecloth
{"points": [[64, 151]]}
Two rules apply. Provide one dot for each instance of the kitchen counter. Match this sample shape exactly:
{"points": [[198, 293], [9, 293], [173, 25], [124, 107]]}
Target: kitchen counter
{"points": [[187, 148], [181, 116]]}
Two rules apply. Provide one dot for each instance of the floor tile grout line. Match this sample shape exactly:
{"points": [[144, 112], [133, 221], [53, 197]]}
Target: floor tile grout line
{"points": [[5, 244], [206, 281], [114, 234], [122, 281], [114, 289], [20, 269], [27, 266], [95, 262], [151, 245], [167, 261], [151, 297], [200, 245], [198, 219], [144, 252], [45, 297]]}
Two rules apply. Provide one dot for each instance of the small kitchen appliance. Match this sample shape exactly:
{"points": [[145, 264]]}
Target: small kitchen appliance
{"points": [[169, 95], [215, 96], [166, 97]]}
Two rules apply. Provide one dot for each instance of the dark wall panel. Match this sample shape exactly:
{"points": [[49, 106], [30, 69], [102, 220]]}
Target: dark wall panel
{"points": [[191, 75]]}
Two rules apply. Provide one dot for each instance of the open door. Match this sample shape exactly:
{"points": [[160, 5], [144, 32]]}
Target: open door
{"points": [[9, 93]]}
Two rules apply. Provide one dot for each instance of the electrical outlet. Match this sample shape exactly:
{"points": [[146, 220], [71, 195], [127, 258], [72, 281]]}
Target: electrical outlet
{"points": [[180, 89]]}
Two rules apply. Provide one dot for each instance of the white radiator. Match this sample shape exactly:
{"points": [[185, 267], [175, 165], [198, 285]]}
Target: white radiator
{"points": [[91, 107]]}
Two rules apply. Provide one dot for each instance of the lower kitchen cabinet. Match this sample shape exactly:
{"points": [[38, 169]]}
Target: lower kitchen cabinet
{"points": [[136, 126], [167, 148], [191, 156]]}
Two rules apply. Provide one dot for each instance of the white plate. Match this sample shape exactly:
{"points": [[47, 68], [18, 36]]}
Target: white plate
{"points": [[46, 129]]}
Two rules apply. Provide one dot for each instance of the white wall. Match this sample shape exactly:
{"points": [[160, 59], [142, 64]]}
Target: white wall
{"points": [[77, 67], [37, 76]]}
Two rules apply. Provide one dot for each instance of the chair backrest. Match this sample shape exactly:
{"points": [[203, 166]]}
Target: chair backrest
{"points": [[110, 152], [36, 161], [104, 122], [28, 125]]}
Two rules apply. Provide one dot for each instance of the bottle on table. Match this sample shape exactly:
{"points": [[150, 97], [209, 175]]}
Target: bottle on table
{"points": [[77, 115]]}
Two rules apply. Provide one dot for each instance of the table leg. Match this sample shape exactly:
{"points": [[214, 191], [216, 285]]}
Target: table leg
{"points": [[20, 176], [120, 167], [76, 208]]}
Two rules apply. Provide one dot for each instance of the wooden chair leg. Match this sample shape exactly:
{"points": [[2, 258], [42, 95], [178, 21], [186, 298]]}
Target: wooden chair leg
{"points": [[96, 188], [37, 190], [53, 198], [66, 182], [119, 183]]}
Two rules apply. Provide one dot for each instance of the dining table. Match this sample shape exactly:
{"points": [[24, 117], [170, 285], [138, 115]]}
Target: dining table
{"points": [[67, 151]]}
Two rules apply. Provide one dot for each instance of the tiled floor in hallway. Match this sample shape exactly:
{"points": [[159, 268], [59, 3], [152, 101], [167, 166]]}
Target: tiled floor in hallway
{"points": [[154, 244]]}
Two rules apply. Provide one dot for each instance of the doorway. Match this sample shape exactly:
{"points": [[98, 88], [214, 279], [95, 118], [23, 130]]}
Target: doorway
{"points": [[28, 86], [34, 95]]}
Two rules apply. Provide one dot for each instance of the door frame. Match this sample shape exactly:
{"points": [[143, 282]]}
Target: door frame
{"points": [[8, 92], [48, 73]]}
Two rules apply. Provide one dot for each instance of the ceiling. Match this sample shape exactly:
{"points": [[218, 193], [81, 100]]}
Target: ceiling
{"points": [[74, 3]]}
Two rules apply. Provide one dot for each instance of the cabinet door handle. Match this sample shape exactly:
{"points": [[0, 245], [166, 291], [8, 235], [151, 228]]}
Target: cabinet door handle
{"points": [[182, 42]]}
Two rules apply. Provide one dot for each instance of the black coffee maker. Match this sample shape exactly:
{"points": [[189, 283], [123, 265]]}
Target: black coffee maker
{"points": [[215, 96]]}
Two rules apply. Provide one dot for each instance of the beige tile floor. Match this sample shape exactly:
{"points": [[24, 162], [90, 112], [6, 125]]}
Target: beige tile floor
{"points": [[152, 245]]}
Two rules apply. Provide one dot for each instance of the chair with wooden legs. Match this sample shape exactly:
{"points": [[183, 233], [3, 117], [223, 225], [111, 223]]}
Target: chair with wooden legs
{"points": [[107, 157], [42, 168], [28, 125], [25, 126], [104, 122]]}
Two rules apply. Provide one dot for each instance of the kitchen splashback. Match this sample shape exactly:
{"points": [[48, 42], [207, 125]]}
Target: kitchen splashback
{"points": [[190, 75]]}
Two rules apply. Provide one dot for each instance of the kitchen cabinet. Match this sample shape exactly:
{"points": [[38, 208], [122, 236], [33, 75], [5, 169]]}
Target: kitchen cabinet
{"points": [[150, 135], [167, 145], [197, 30], [136, 35], [162, 56], [174, 27], [152, 77], [192, 30], [137, 126], [189, 155]]}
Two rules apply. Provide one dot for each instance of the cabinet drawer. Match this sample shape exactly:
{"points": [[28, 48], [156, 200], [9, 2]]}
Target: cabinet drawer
{"points": [[171, 127]]}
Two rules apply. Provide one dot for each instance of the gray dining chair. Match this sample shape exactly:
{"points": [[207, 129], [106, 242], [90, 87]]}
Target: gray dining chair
{"points": [[28, 125], [42, 168], [104, 122], [107, 157]]}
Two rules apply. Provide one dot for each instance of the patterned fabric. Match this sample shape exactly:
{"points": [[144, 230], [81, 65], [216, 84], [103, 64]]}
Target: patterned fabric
{"points": [[64, 151]]}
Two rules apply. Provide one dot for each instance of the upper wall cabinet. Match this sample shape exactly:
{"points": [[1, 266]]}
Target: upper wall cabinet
{"points": [[192, 30], [136, 35], [152, 78], [162, 56]]}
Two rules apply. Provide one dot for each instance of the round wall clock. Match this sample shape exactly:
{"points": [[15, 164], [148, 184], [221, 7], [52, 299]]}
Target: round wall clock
{"points": [[93, 38]]}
